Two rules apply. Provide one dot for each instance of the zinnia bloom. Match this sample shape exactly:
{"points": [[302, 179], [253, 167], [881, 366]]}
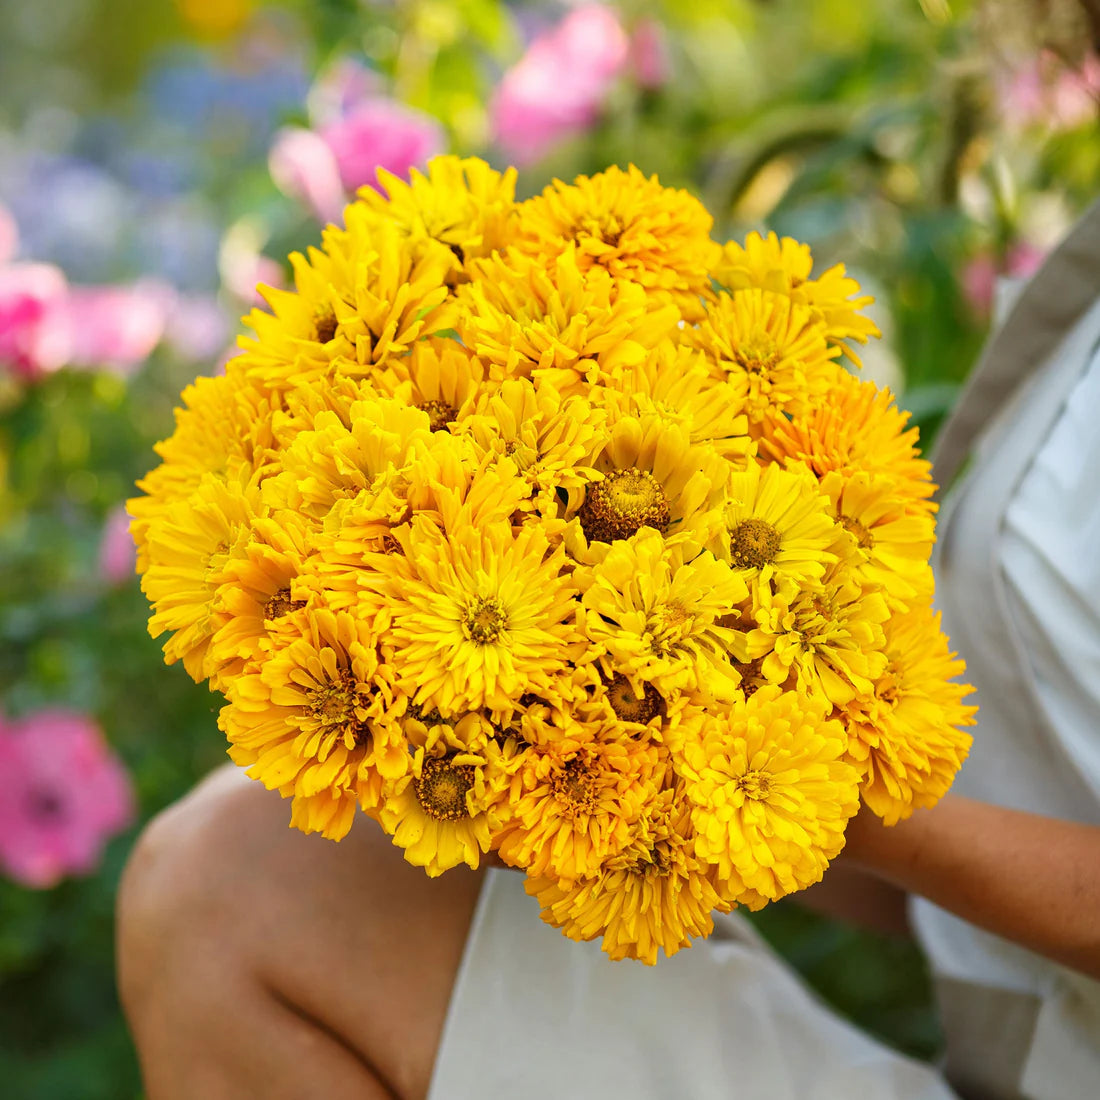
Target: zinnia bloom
{"points": [[771, 794], [63, 796]]}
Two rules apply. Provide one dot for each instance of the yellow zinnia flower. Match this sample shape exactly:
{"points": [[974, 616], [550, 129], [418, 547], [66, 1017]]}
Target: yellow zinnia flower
{"points": [[632, 227], [777, 527], [461, 203], [189, 548], [573, 796], [441, 811], [827, 637], [656, 616], [554, 322], [439, 377], [889, 547], [906, 737], [313, 718], [771, 794], [477, 617], [856, 428], [654, 895], [771, 350], [783, 265]]}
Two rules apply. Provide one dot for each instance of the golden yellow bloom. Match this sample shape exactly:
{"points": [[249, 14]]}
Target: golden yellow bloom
{"points": [[189, 548], [783, 265], [827, 636], [770, 349], [655, 894], [674, 382], [906, 737], [555, 323], [438, 377], [889, 547], [462, 203], [573, 798], [653, 476], [771, 794], [224, 430], [857, 428], [314, 718], [345, 459], [632, 227], [441, 811], [656, 616], [777, 526], [261, 588], [552, 441], [478, 617]]}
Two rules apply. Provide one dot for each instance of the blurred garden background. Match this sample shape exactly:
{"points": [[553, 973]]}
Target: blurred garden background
{"points": [[158, 158]]}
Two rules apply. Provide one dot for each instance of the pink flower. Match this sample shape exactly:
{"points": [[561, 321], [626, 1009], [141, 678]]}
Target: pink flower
{"points": [[116, 328], [35, 335], [117, 555], [64, 793], [324, 167], [1047, 92], [380, 133], [559, 85], [304, 167], [649, 54]]}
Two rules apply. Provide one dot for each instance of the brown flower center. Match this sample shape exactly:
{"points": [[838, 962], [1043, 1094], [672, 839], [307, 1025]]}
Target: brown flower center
{"points": [[440, 414], [752, 676], [325, 326], [757, 357], [441, 788], [622, 504], [574, 788], [753, 543], [281, 604], [631, 707], [755, 785], [485, 620], [860, 533]]}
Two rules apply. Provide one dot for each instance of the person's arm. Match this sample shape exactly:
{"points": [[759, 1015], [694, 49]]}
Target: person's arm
{"points": [[1030, 879]]}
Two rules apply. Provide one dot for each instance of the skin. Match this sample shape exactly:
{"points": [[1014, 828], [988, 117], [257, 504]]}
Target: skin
{"points": [[300, 968]]}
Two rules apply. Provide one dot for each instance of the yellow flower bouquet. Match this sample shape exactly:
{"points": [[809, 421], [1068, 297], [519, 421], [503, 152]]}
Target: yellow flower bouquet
{"points": [[557, 529]]}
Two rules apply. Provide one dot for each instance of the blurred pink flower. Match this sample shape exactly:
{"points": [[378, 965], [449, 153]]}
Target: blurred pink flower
{"points": [[117, 555], [342, 85], [35, 335], [116, 328], [649, 54], [324, 167], [1048, 92], [64, 793], [559, 85], [381, 133], [9, 236], [304, 167], [198, 327], [980, 275]]}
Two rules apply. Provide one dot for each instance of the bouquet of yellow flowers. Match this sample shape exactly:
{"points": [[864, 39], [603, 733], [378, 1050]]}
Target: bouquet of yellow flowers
{"points": [[557, 529]]}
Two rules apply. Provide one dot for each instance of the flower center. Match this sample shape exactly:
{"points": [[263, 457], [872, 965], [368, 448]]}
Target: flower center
{"points": [[441, 788], [755, 785], [757, 356], [860, 533], [44, 806], [281, 604], [333, 706], [752, 676], [753, 543], [325, 326], [574, 787], [440, 414], [622, 504], [485, 621], [627, 704]]}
